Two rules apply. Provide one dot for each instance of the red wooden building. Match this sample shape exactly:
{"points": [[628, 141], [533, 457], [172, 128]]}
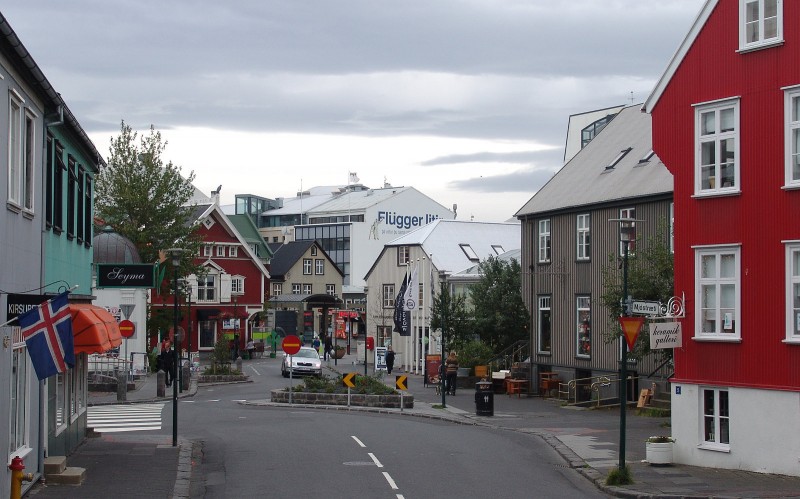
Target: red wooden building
{"points": [[726, 123], [228, 298]]}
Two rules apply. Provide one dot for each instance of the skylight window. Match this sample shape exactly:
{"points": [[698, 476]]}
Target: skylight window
{"points": [[618, 158], [647, 157], [498, 250], [467, 249]]}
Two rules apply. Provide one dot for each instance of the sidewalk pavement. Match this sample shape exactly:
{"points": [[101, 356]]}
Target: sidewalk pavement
{"points": [[587, 439]]}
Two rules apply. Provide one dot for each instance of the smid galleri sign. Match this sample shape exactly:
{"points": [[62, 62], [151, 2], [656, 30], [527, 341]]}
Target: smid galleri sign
{"points": [[121, 275]]}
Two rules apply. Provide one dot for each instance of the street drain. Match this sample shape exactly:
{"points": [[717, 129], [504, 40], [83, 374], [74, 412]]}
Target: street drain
{"points": [[359, 463]]}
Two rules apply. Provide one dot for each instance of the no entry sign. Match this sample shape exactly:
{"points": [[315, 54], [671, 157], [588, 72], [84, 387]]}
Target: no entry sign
{"points": [[291, 344], [126, 328]]}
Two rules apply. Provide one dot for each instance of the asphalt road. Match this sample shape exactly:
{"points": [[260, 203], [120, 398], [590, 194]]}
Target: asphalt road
{"points": [[258, 451]]}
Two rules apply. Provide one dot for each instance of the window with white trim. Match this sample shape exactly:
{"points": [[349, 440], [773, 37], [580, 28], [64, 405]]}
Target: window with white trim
{"points": [[313, 250], [793, 292], [19, 431], [388, 296], [207, 250], [277, 288], [760, 23], [717, 309], [403, 255], [15, 149], [296, 288], [233, 251], [307, 265], [207, 288], [237, 285], [545, 325], [583, 236], [792, 113], [583, 312], [716, 419], [330, 289], [717, 148], [319, 266], [221, 251], [28, 154], [544, 241], [307, 289]]}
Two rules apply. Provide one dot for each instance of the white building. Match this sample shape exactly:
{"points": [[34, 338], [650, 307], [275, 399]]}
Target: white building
{"points": [[438, 250]]}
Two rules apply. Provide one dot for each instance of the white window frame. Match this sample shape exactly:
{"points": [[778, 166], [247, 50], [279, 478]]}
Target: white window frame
{"points": [[307, 289], [720, 421], [296, 288], [583, 309], [207, 288], [319, 266], [220, 251], [403, 255], [792, 138], [60, 381], [793, 292], [713, 186], [583, 236], [544, 248], [544, 305], [714, 311], [29, 161], [19, 398], [760, 41], [388, 296], [308, 264], [208, 250], [237, 285], [233, 251], [15, 148], [277, 288], [330, 289]]}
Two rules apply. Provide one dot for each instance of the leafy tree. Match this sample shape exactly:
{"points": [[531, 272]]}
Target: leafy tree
{"points": [[450, 314], [651, 277], [144, 199], [498, 310]]}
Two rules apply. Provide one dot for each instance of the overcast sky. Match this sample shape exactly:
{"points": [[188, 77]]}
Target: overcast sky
{"points": [[465, 100]]}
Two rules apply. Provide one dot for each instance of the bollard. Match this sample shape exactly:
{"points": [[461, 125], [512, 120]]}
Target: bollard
{"points": [[239, 364], [186, 374], [122, 386], [161, 384], [17, 476]]}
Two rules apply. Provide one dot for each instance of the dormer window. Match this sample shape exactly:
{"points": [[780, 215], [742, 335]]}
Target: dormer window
{"points": [[760, 23]]}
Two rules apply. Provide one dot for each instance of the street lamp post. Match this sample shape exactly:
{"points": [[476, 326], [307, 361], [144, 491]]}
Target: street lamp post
{"points": [[443, 311], [626, 233], [175, 254]]}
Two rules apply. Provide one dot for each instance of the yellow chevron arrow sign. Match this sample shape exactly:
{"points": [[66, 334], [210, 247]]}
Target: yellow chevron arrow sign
{"points": [[348, 378], [401, 382]]}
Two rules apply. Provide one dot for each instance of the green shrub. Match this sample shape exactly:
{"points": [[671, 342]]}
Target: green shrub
{"points": [[474, 353], [369, 385], [619, 477]]}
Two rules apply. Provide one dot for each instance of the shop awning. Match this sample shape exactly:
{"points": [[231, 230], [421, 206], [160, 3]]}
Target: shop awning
{"points": [[94, 329]]}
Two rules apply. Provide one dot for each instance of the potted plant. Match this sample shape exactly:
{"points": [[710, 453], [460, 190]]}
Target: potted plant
{"points": [[658, 450], [338, 352]]}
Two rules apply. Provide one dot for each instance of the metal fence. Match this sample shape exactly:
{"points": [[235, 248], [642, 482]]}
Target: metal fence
{"points": [[106, 367]]}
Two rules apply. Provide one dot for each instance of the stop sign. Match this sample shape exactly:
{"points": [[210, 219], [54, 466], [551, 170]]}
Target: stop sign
{"points": [[291, 344], [126, 328]]}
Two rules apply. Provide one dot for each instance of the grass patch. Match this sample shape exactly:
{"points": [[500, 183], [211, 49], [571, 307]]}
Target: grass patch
{"points": [[619, 476]]}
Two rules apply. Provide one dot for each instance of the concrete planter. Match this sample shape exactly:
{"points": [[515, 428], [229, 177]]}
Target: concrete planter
{"points": [[658, 453], [356, 399], [221, 378]]}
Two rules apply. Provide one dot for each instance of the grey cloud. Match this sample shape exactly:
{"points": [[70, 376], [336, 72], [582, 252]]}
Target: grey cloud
{"points": [[528, 181], [489, 157]]}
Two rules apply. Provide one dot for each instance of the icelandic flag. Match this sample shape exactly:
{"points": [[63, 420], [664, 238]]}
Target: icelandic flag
{"points": [[47, 330]]}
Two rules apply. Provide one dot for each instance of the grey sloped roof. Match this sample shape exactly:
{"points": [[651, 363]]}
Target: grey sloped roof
{"points": [[442, 239], [585, 180], [474, 271], [286, 256]]}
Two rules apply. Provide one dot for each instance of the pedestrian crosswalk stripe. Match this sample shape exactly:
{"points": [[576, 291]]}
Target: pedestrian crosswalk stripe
{"points": [[127, 417]]}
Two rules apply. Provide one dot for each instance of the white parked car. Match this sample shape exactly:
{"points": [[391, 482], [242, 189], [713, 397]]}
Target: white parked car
{"points": [[304, 362]]}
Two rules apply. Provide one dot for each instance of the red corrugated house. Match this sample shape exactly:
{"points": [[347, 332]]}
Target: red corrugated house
{"points": [[726, 123], [228, 298]]}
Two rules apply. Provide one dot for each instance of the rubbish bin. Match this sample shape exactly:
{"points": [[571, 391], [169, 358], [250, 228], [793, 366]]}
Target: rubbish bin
{"points": [[484, 399]]}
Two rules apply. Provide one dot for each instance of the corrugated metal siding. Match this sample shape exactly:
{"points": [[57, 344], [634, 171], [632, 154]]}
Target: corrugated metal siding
{"points": [[759, 219], [565, 278]]}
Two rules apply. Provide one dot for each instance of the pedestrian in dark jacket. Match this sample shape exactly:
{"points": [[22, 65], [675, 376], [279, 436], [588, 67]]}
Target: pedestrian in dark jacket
{"points": [[166, 359], [390, 360], [451, 371]]}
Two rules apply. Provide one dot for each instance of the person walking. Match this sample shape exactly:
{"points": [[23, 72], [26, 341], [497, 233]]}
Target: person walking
{"points": [[251, 348], [390, 360], [166, 360], [451, 371]]}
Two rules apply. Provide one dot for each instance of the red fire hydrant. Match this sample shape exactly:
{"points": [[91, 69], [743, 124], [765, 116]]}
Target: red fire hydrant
{"points": [[17, 476]]}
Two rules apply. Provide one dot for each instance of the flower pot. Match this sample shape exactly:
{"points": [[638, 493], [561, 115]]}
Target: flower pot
{"points": [[337, 354], [658, 453]]}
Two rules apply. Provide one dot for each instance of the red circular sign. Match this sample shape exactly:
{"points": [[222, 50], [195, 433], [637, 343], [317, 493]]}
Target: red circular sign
{"points": [[291, 344], [126, 328]]}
